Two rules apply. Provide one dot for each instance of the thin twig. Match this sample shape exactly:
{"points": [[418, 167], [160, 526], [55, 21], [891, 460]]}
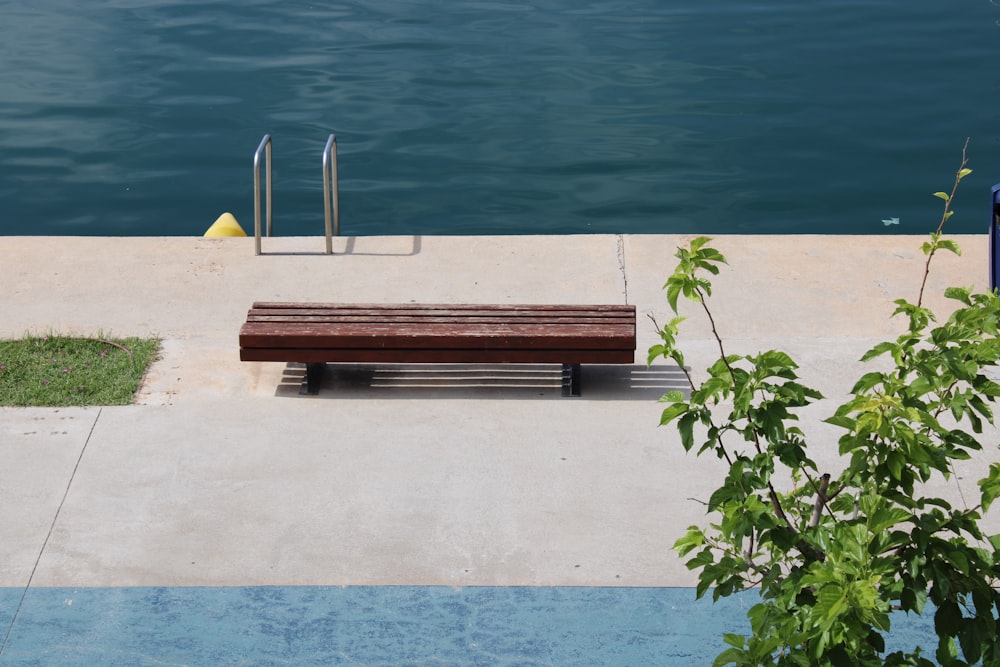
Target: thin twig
{"points": [[687, 374], [715, 333], [772, 492], [684, 370], [114, 344], [944, 218]]}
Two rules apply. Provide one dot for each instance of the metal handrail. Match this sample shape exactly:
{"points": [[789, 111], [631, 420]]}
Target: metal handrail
{"points": [[265, 148], [331, 191]]}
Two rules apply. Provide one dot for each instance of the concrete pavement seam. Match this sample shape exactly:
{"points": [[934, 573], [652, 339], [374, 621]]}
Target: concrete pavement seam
{"points": [[621, 263], [48, 535]]}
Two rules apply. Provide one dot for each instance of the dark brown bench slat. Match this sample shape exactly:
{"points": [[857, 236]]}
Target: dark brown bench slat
{"points": [[437, 316], [436, 336], [418, 356], [315, 333], [430, 319], [321, 315], [451, 308]]}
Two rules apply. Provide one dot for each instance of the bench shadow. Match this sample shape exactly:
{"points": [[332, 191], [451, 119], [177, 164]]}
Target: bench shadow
{"points": [[482, 381]]}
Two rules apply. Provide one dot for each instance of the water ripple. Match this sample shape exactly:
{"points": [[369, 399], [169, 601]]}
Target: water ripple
{"points": [[489, 117]]}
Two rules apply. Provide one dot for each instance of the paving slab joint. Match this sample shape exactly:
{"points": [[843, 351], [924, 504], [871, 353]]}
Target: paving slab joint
{"points": [[45, 542], [620, 240]]}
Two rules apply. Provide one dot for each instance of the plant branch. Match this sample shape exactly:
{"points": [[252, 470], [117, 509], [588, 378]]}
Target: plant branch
{"points": [[944, 218], [114, 344], [715, 332], [684, 370], [772, 492], [821, 497]]}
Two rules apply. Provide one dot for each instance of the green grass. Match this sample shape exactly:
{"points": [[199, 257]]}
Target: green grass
{"points": [[58, 370]]}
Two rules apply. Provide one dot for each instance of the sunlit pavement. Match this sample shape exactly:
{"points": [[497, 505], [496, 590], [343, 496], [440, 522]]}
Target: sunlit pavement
{"points": [[441, 518]]}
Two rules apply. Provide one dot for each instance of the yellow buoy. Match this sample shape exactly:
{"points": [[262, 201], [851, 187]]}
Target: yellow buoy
{"points": [[225, 225]]}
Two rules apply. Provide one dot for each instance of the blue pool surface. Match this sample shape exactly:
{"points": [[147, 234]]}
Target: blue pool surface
{"points": [[377, 626]]}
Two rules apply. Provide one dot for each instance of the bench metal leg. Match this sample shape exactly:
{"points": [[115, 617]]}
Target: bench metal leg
{"points": [[571, 380], [314, 378]]}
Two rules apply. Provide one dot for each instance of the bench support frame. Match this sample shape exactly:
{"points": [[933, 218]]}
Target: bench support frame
{"points": [[571, 379], [313, 379]]}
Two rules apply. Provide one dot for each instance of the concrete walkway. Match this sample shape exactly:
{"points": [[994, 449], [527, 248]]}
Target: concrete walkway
{"points": [[223, 475]]}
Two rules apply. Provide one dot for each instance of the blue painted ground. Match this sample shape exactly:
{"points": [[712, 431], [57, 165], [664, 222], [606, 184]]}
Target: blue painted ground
{"points": [[374, 626]]}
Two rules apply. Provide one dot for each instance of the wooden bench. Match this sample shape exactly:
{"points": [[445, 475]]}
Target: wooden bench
{"points": [[317, 333]]}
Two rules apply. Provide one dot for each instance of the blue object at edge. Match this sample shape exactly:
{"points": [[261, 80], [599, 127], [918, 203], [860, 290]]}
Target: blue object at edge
{"points": [[995, 238]]}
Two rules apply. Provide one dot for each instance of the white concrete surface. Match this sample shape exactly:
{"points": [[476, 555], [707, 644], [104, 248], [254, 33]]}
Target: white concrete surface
{"points": [[222, 474]]}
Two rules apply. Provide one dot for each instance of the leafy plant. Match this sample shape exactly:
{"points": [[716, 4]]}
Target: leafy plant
{"points": [[835, 554]]}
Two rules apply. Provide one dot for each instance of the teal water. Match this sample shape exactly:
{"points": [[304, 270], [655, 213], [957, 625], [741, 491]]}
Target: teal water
{"points": [[140, 117]]}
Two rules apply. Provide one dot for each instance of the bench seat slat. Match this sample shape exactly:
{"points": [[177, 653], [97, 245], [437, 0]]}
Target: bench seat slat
{"points": [[436, 335], [440, 356], [432, 319], [392, 314], [376, 308], [436, 314]]}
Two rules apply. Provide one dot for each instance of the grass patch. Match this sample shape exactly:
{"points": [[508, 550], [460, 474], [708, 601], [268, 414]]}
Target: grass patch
{"points": [[64, 370]]}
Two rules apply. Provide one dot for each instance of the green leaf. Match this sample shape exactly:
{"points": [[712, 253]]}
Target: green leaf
{"points": [[672, 412], [655, 352], [959, 294], [842, 421], [913, 600], [692, 540], [895, 461], [972, 639], [702, 559], [885, 518], [947, 651], [673, 291], [678, 358], [830, 603], [879, 350], [959, 560], [963, 173], [942, 195], [731, 656], [685, 427], [713, 255], [675, 396], [947, 244], [723, 495], [775, 360], [947, 618], [697, 243], [990, 486], [867, 382]]}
